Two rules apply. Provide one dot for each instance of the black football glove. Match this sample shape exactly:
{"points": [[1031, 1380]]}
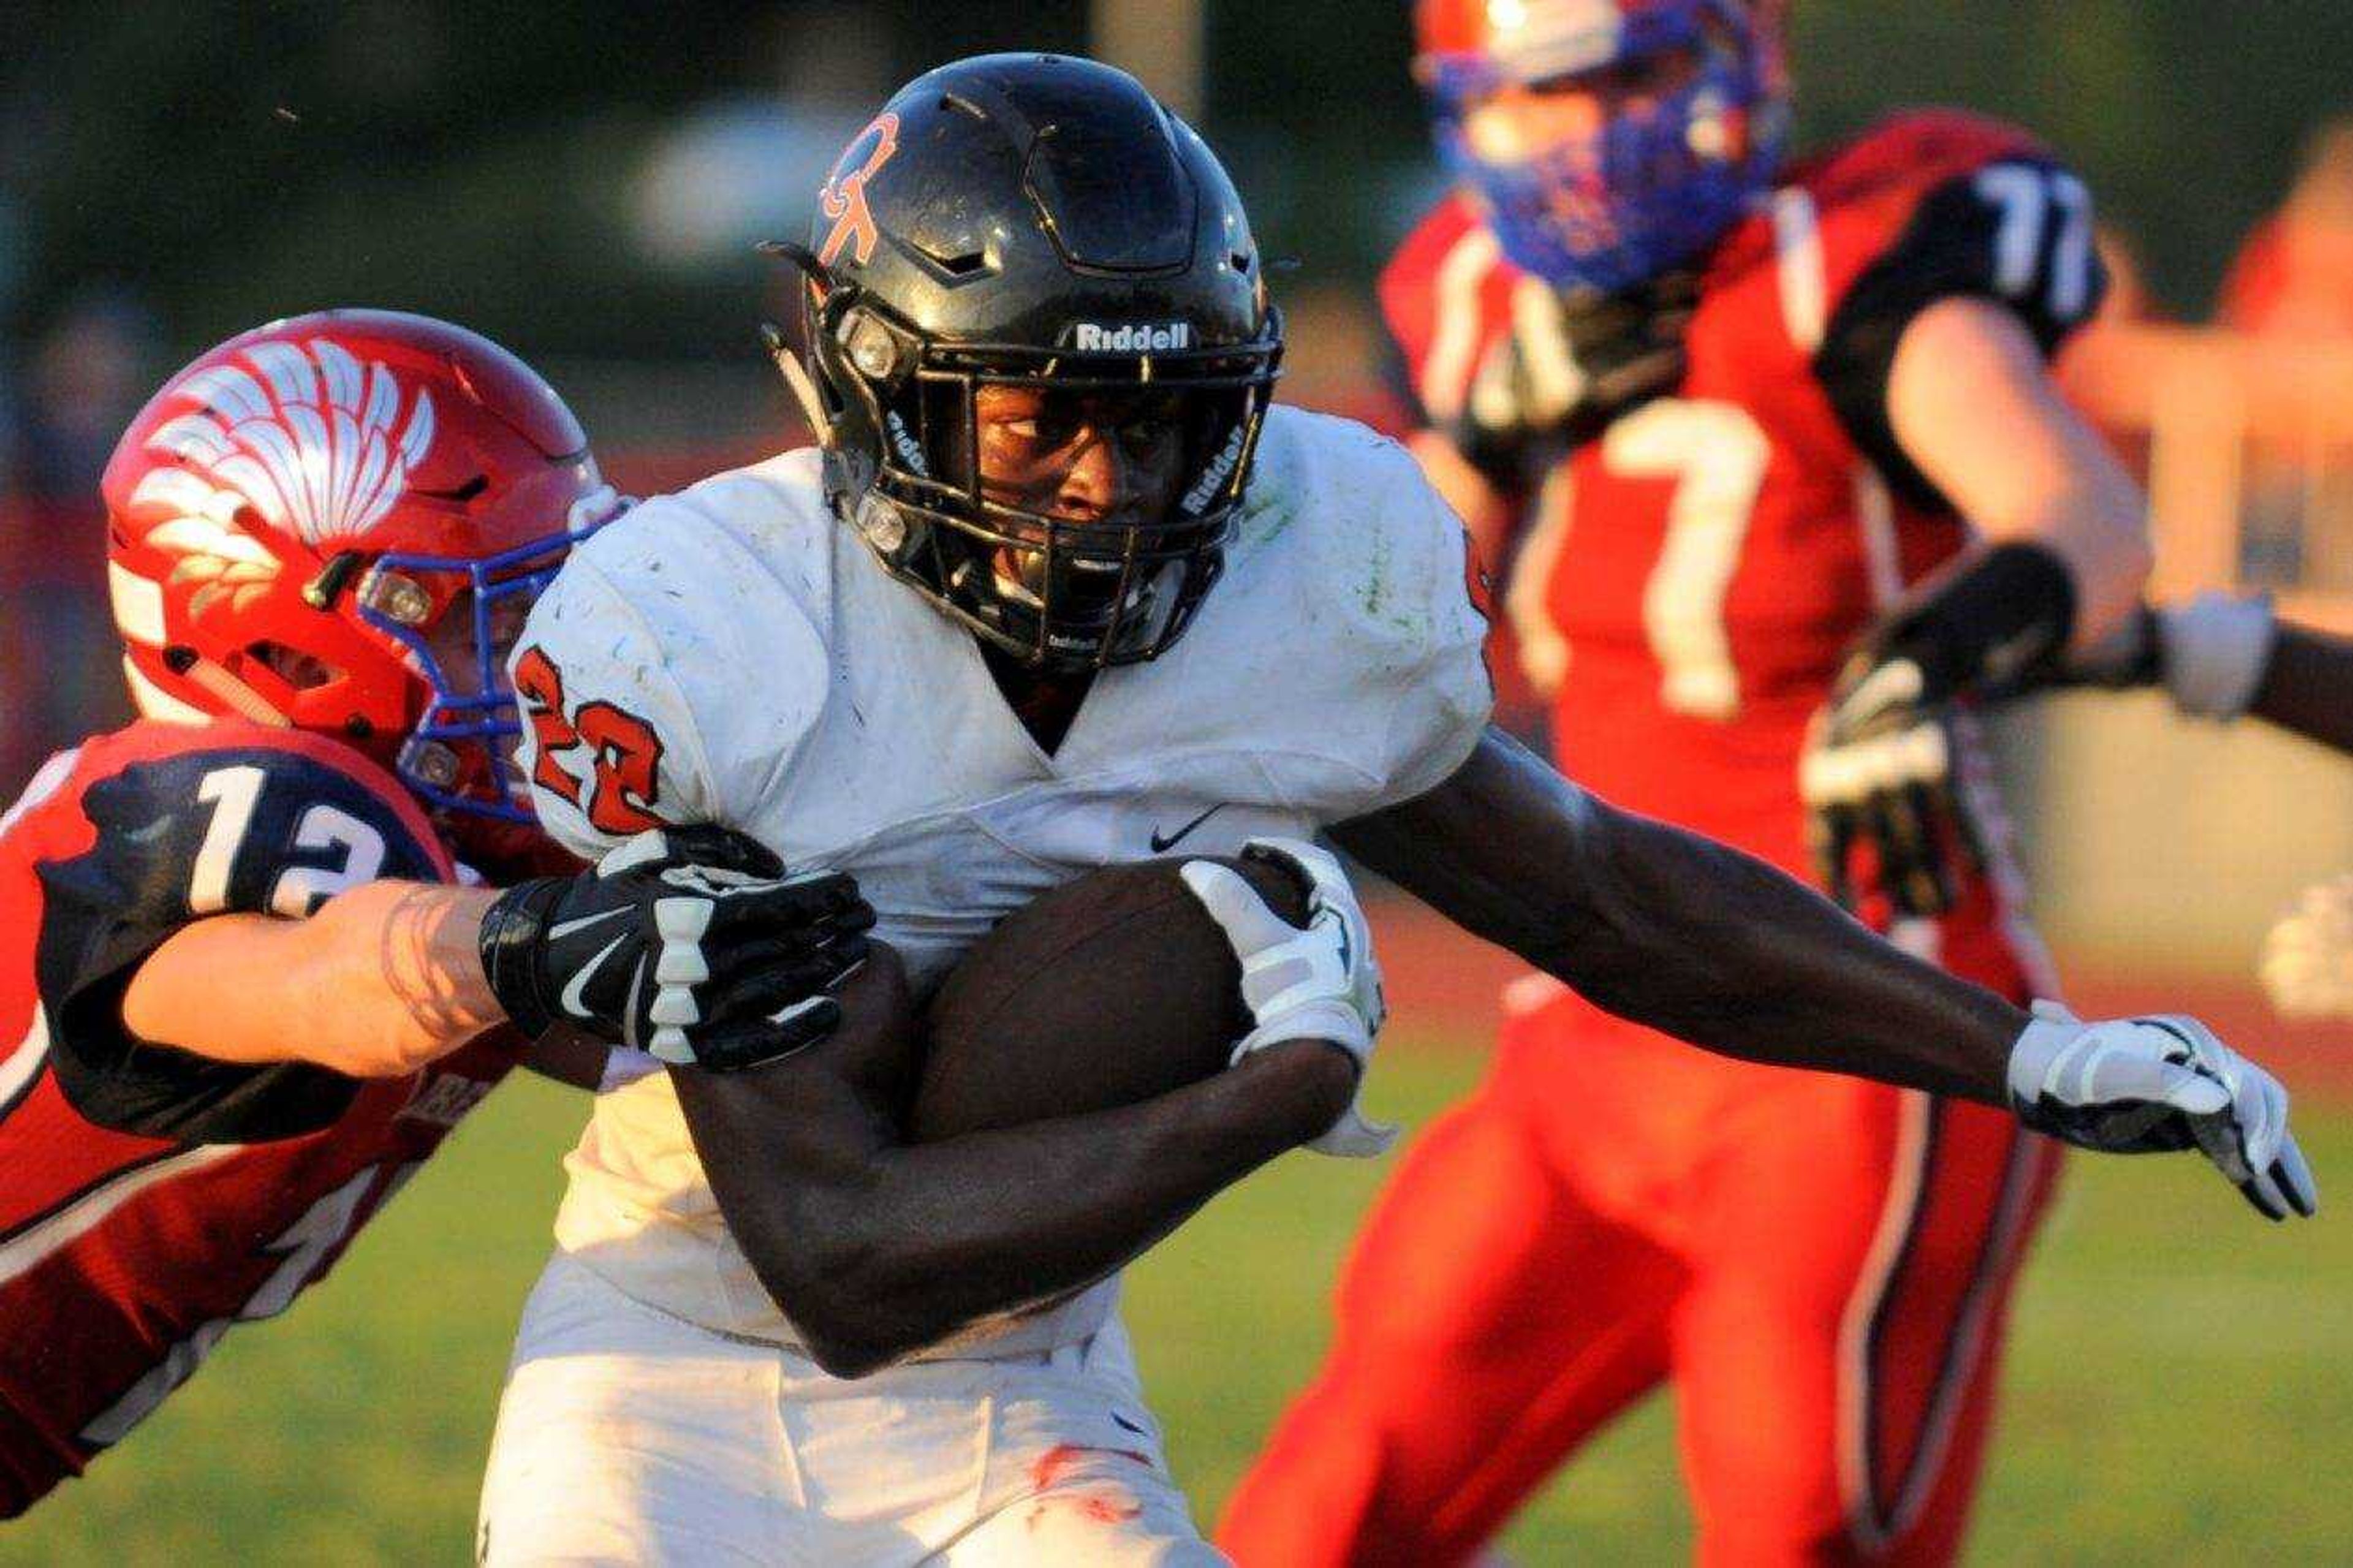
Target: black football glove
{"points": [[1878, 765], [1628, 348], [1572, 363], [690, 943], [1878, 770]]}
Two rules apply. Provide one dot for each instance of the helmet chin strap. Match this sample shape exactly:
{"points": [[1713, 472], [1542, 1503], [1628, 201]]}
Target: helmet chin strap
{"points": [[788, 363], [797, 377], [236, 694]]}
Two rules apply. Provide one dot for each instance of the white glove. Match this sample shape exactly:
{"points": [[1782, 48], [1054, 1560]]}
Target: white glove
{"points": [[2208, 654], [2139, 1086], [2307, 963], [2214, 650], [1317, 983]]}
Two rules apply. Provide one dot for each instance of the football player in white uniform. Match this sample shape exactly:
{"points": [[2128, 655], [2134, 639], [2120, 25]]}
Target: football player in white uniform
{"points": [[1058, 590]]}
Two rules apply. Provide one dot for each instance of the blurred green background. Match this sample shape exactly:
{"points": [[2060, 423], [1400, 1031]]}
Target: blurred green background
{"points": [[574, 177], [2176, 1389]]}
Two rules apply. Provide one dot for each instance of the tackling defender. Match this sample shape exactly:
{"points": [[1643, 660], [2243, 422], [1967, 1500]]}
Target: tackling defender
{"points": [[242, 979], [1791, 481], [1060, 589], [309, 529]]}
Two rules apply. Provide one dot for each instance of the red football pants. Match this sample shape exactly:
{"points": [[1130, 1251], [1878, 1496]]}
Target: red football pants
{"points": [[31, 1463], [1820, 1266]]}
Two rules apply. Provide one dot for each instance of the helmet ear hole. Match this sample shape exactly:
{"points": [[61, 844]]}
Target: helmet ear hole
{"points": [[303, 671]]}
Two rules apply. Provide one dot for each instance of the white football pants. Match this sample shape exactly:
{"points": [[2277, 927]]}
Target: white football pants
{"points": [[626, 1436]]}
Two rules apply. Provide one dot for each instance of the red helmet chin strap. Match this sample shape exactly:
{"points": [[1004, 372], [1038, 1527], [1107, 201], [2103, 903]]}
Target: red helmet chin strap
{"points": [[232, 694]]}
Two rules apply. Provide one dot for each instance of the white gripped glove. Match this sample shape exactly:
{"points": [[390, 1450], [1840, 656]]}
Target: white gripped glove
{"points": [[2210, 653], [2214, 650], [2140, 1085], [1317, 983]]}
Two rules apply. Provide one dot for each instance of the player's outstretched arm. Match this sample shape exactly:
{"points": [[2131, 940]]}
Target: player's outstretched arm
{"points": [[380, 981], [1703, 941], [2307, 687], [2223, 655], [1677, 932], [876, 1249]]}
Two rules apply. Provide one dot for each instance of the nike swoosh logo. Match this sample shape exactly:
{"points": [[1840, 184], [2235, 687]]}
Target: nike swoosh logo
{"points": [[1340, 932], [630, 1008], [574, 992], [1161, 846], [584, 922]]}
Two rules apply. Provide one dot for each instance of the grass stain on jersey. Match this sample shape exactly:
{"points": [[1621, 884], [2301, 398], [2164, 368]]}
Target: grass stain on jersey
{"points": [[1265, 522]]}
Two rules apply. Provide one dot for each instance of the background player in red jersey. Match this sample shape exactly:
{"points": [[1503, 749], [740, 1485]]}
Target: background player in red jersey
{"points": [[242, 971], [1790, 487]]}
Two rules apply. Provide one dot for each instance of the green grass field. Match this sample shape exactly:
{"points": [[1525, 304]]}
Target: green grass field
{"points": [[2181, 1388]]}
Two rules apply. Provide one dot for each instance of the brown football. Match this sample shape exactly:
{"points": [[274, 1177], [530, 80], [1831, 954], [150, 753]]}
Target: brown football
{"points": [[1108, 990]]}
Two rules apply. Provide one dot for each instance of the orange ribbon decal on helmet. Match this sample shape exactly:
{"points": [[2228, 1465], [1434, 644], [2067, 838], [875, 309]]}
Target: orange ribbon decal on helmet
{"points": [[844, 196]]}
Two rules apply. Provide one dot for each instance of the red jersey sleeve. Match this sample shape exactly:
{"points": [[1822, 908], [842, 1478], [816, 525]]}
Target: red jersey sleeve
{"points": [[176, 825], [1931, 206]]}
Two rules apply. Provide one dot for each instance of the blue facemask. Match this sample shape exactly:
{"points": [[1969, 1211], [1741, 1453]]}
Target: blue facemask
{"points": [[1652, 191], [465, 740]]}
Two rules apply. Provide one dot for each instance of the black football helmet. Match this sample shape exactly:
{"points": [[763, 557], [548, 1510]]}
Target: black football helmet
{"points": [[1039, 221]]}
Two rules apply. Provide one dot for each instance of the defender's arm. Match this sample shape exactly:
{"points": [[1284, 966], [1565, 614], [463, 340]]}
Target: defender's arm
{"points": [[416, 969], [876, 1248], [1971, 403], [1970, 407], [383, 980]]}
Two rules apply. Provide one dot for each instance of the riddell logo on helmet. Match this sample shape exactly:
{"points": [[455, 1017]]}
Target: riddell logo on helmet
{"points": [[1136, 338], [1221, 471]]}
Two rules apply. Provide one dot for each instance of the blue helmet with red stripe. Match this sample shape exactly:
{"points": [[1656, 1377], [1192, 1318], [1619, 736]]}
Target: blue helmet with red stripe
{"points": [[1651, 182]]}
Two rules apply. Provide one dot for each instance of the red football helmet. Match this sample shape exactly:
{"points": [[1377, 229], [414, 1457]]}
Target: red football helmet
{"points": [[337, 522]]}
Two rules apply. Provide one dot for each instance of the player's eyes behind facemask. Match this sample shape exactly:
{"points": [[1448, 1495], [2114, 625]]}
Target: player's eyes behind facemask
{"points": [[1086, 457], [1081, 488], [1519, 125], [470, 645]]}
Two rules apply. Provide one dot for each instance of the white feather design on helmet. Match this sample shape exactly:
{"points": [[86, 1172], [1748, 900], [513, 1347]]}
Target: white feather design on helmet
{"points": [[309, 435]]}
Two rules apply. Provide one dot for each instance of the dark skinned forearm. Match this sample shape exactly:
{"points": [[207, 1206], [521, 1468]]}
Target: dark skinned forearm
{"points": [[1682, 935], [876, 1249], [2307, 687]]}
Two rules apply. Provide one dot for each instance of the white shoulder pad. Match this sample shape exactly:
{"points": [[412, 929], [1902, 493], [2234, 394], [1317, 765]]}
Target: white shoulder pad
{"points": [[670, 671], [1381, 565]]}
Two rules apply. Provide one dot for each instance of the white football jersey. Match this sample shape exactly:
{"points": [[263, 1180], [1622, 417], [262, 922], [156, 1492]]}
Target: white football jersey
{"points": [[790, 688]]}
